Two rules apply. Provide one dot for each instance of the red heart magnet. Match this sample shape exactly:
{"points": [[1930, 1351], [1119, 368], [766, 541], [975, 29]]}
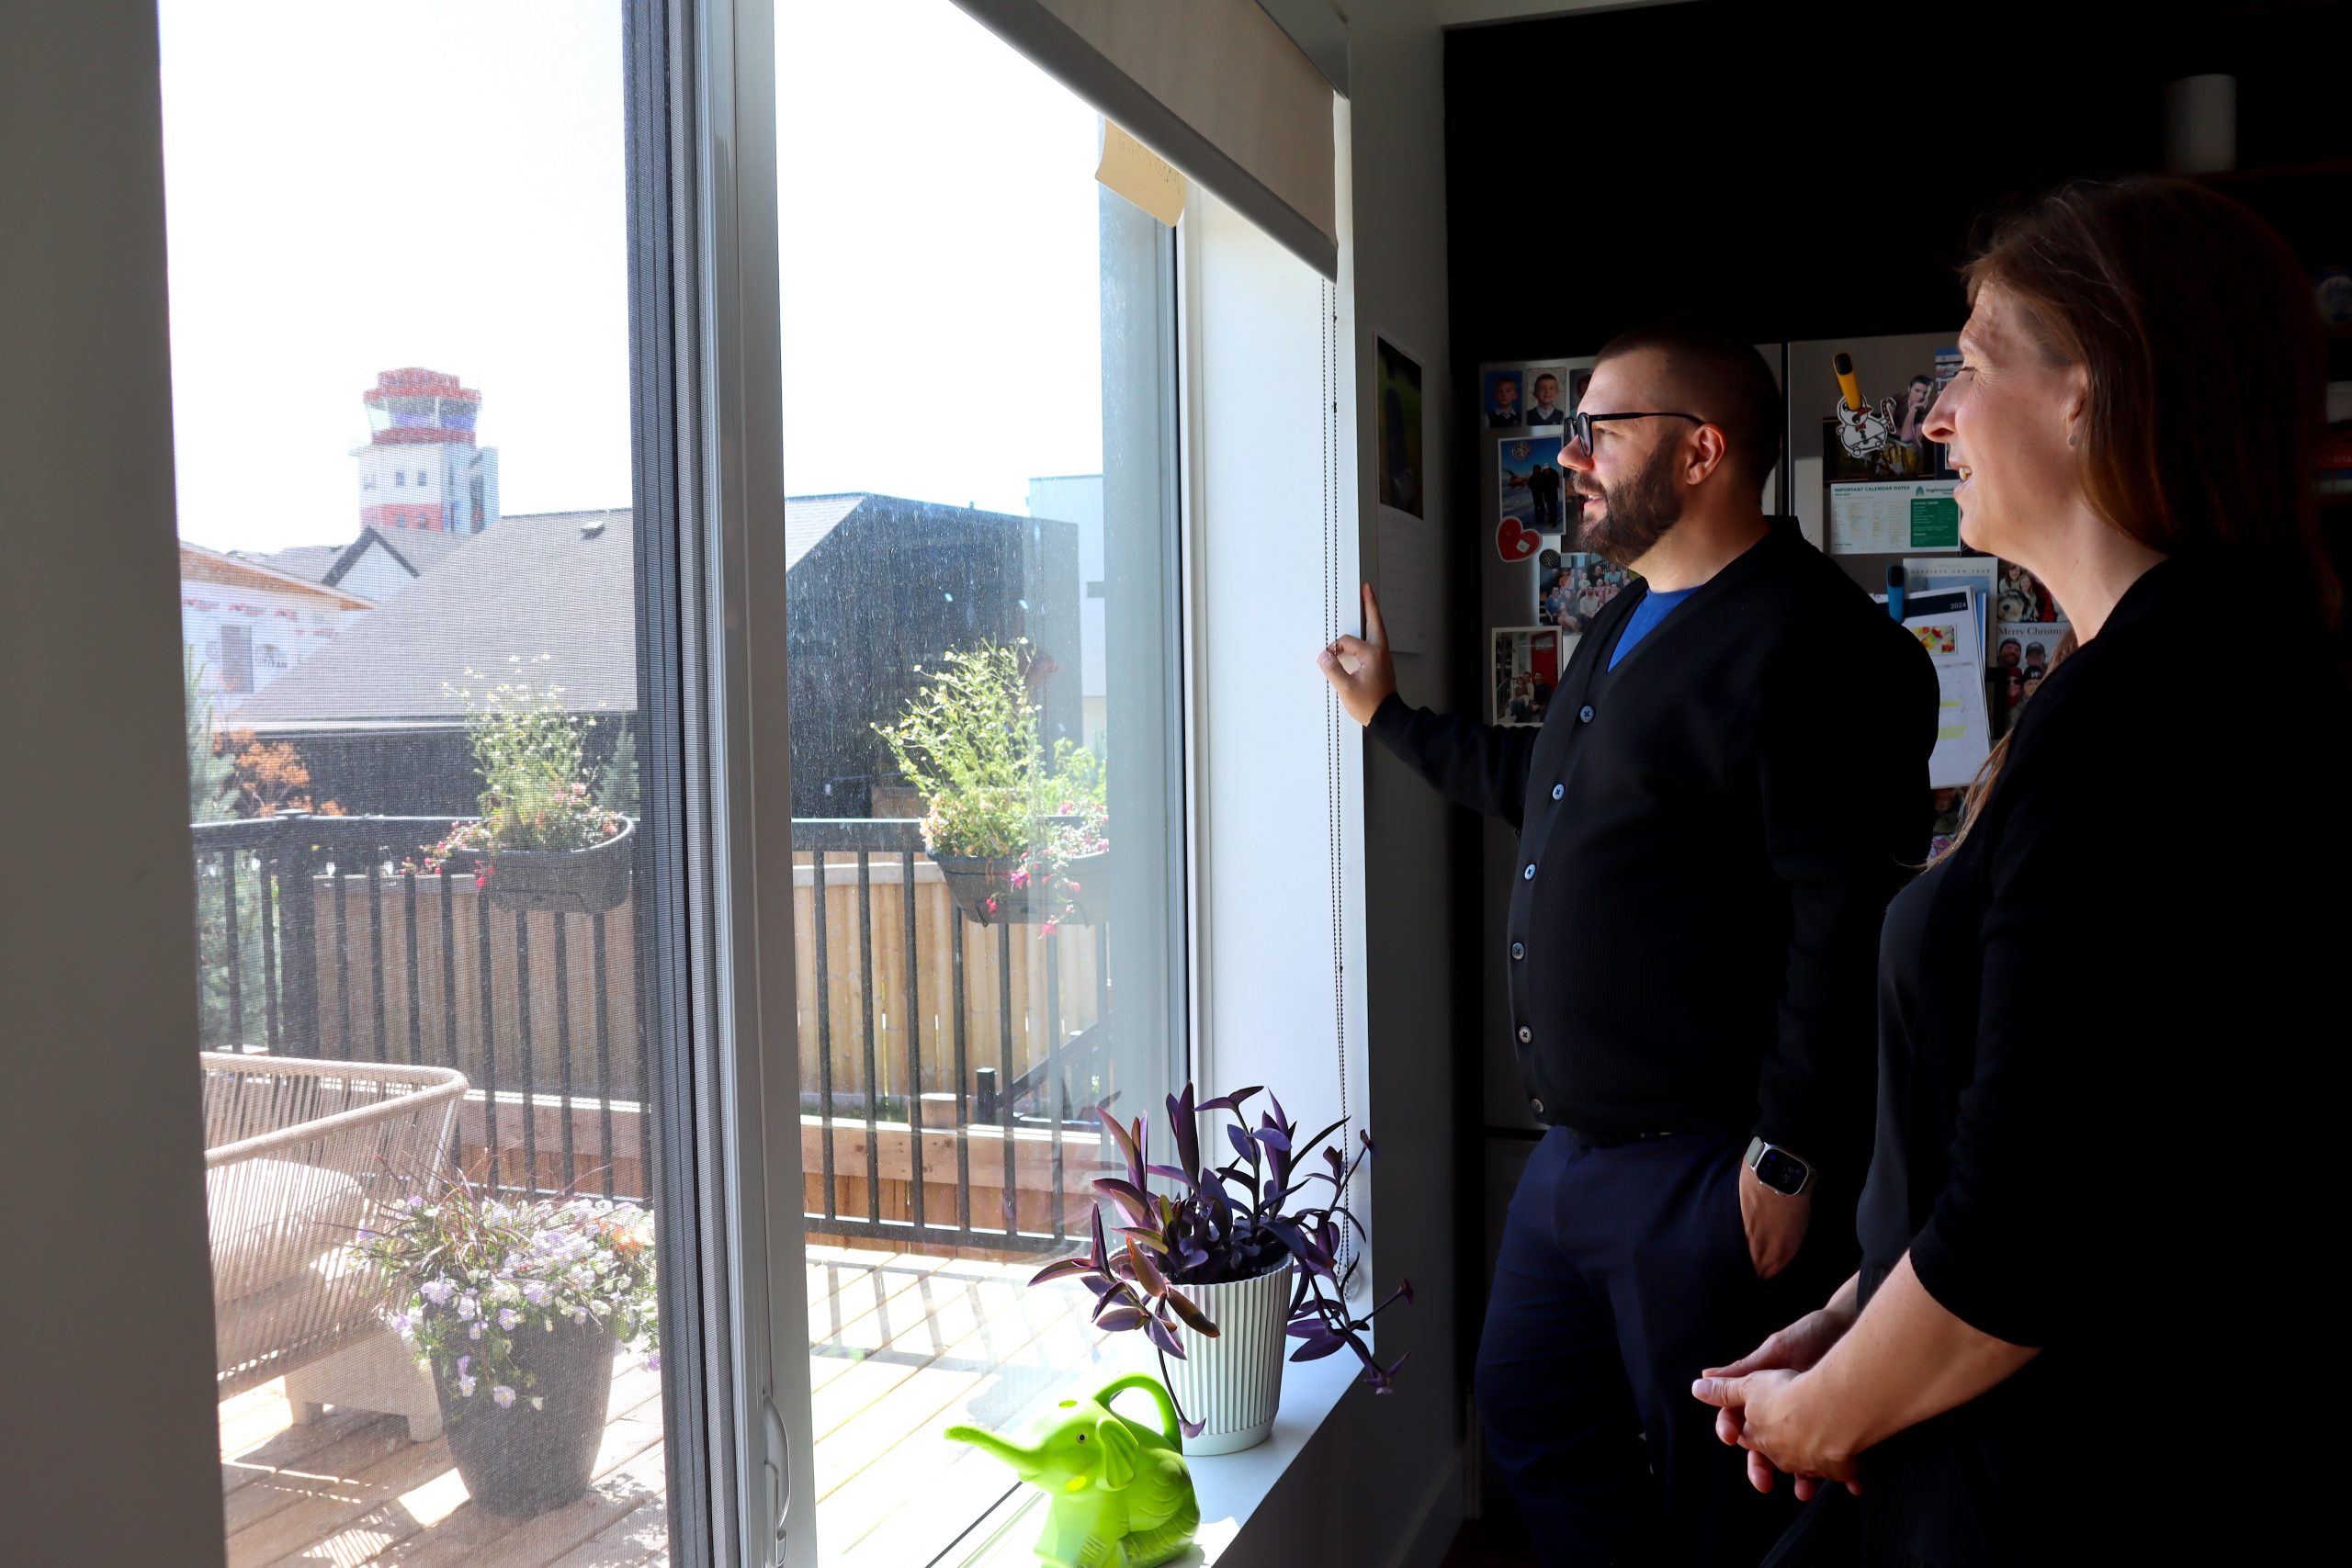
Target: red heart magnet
{"points": [[1513, 542]]}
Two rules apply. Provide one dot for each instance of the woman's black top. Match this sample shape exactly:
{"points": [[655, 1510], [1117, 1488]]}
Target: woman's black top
{"points": [[2108, 1028]]}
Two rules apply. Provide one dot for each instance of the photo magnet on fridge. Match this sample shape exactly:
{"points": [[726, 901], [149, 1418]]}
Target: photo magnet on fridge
{"points": [[1546, 402], [1527, 482], [1502, 394], [1527, 665]]}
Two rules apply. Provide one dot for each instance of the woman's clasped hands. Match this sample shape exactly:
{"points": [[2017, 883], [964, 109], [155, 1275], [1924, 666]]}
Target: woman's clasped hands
{"points": [[1764, 1404]]}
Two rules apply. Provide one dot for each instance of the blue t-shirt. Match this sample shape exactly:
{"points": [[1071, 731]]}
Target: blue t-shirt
{"points": [[1655, 607]]}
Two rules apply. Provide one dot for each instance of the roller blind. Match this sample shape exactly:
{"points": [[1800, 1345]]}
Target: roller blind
{"points": [[1214, 86]]}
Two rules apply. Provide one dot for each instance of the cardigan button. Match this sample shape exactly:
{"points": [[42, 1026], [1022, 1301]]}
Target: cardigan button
{"points": [[1585, 713], [1525, 1034], [1536, 1106], [1558, 790], [1519, 950], [1528, 874]]}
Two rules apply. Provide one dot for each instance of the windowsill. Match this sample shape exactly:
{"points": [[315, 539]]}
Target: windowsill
{"points": [[1230, 1486]]}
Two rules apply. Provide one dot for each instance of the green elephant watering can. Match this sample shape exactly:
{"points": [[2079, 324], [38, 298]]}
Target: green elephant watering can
{"points": [[1121, 1496]]}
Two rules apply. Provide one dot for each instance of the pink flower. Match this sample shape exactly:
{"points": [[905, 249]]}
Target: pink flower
{"points": [[1074, 887], [1020, 878], [991, 902], [1047, 928]]}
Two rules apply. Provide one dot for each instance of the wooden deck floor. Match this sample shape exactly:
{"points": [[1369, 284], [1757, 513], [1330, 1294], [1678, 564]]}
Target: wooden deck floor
{"points": [[902, 1344]]}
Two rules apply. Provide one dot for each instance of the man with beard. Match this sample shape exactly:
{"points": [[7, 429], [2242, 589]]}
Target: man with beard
{"points": [[1709, 831]]}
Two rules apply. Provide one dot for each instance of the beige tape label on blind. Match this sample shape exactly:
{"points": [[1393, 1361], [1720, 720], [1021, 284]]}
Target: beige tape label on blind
{"points": [[1141, 176]]}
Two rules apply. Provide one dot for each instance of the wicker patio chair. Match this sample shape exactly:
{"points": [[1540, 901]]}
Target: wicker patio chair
{"points": [[300, 1155]]}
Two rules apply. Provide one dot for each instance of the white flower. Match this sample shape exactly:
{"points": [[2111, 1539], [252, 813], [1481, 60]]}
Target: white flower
{"points": [[504, 1395], [468, 1307], [474, 1332], [438, 1290], [508, 1318], [466, 1387]]}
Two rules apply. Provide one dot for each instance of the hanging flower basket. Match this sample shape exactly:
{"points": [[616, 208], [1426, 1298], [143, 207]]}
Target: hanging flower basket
{"points": [[567, 882], [985, 888]]}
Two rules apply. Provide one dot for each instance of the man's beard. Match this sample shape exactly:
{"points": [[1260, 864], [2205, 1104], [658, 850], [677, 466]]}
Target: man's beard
{"points": [[1636, 515]]}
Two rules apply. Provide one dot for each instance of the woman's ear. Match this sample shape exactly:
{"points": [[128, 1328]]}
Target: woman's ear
{"points": [[2078, 403]]}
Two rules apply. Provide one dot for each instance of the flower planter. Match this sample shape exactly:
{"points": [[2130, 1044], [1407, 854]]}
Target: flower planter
{"points": [[1232, 1382], [527, 1460], [973, 880], [566, 882]]}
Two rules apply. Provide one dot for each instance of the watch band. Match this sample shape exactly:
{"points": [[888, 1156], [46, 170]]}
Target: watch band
{"points": [[1754, 1159]]}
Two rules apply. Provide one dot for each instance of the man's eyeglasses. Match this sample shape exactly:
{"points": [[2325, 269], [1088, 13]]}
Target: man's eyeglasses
{"points": [[1581, 423]]}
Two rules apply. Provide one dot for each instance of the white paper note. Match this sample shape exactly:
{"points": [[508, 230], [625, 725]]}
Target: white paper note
{"points": [[1407, 579]]}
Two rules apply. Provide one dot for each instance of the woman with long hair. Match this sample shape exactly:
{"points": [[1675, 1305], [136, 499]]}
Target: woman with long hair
{"points": [[2080, 1317]]}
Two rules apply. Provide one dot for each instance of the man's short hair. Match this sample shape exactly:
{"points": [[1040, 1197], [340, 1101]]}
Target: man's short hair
{"points": [[1726, 382]]}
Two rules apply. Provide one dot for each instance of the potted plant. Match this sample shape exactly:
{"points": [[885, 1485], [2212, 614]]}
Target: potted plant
{"points": [[542, 840], [969, 741], [1239, 1258], [518, 1309]]}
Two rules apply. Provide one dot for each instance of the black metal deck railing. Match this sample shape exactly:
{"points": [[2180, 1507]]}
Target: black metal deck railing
{"points": [[314, 942]]}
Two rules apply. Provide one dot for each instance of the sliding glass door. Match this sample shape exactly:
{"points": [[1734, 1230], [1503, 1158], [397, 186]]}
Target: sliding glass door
{"points": [[978, 400], [468, 757]]}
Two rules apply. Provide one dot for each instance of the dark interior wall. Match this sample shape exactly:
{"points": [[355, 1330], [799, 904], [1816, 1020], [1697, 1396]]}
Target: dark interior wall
{"points": [[1793, 175]]}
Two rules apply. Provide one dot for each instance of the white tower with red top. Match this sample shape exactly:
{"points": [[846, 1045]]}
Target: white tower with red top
{"points": [[421, 468]]}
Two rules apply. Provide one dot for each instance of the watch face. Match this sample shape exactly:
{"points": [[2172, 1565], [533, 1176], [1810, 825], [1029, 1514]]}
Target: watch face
{"points": [[1783, 1173]]}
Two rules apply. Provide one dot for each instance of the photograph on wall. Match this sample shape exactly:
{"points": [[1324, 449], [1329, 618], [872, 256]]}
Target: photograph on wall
{"points": [[2020, 596], [1579, 376], [1572, 588], [2024, 652], [1396, 390], [1528, 482], [1527, 664], [1862, 440], [1546, 399], [1948, 808], [1502, 396]]}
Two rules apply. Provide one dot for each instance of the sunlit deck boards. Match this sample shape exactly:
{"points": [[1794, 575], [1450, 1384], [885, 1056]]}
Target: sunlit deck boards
{"points": [[902, 1344]]}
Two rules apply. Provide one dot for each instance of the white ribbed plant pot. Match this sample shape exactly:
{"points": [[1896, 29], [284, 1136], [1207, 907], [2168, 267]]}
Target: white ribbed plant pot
{"points": [[1234, 1382]]}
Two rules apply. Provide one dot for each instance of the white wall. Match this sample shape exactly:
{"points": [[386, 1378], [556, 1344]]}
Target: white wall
{"points": [[107, 1429], [1380, 1482], [313, 622]]}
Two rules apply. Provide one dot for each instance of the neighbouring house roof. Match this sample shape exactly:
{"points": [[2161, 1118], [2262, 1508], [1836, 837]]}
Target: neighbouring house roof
{"points": [[559, 583], [417, 550], [198, 564], [309, 562], [809, 518]]}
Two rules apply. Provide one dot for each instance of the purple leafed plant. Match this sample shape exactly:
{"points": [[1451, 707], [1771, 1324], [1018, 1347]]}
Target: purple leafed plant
{"points": [[1225, 1225]]}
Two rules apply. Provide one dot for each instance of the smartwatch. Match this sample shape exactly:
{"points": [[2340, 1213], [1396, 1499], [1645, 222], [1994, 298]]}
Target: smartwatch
{"points": [[1778, 1169]]}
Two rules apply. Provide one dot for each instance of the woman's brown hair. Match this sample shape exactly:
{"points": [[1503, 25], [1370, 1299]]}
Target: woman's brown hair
{"points": [[2196, 325]]}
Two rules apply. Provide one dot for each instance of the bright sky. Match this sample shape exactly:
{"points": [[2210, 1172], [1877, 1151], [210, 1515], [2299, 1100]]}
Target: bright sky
{"points": [[354, 187]]}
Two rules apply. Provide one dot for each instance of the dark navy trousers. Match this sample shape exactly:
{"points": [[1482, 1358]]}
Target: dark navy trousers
{"points": [[1624, 1271]]}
